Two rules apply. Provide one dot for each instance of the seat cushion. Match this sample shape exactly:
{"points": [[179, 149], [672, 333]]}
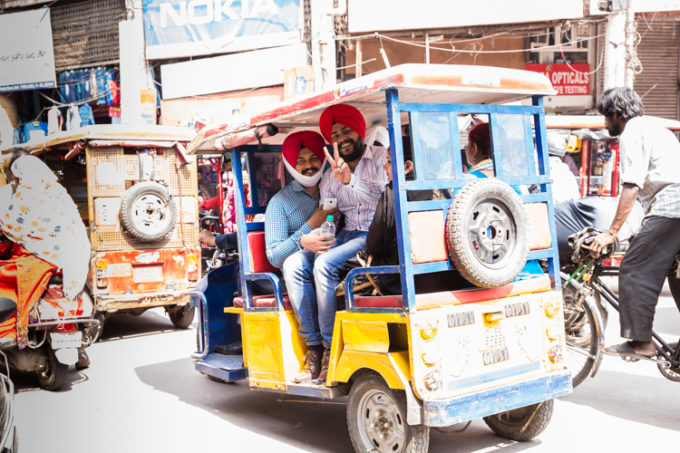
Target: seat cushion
{"points": [[378, 301], [266, 301]]}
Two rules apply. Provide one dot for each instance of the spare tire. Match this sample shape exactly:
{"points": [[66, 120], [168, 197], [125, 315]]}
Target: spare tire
{"points": [[487, 233], [148, 211]]}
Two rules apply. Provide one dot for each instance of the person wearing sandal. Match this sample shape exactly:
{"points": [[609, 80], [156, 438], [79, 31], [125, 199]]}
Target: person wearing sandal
{"points": [[650, 158]]}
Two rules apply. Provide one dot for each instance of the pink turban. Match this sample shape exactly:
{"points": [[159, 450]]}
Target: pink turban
{"points": [[342, 114]]}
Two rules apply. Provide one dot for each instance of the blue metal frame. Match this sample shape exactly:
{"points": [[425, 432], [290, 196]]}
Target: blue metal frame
{"points": [[241, 211], [538, 174]]}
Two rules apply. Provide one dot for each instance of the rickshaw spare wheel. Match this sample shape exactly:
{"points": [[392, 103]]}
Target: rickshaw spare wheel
{"points": [[148, 211], [487, 233]]}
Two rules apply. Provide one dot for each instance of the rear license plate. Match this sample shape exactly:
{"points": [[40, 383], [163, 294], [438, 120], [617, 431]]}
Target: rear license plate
{"points": [[147, 274], [66, 340], [495, 356]]}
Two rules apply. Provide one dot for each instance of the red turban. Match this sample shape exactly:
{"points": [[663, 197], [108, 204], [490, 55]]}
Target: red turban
{"points": [[304, 139], [343, 114]]}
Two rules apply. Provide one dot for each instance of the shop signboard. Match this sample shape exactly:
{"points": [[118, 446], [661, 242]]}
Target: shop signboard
{"points": [[175, 28], [26, 54], [567, 79], [258, 68], [365, 16]]}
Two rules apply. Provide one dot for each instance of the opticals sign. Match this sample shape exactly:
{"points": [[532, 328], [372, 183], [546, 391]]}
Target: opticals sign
{"points": [[567, 79], [176, 28]]}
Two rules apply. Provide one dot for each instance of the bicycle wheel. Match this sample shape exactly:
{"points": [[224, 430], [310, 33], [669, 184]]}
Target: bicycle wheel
{"points": [[581, 334]]}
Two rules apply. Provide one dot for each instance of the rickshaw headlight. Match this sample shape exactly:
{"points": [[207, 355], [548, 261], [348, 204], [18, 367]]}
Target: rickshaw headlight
{"points": [[429, 357], [553, 332], [429, 330], [551, 308]]}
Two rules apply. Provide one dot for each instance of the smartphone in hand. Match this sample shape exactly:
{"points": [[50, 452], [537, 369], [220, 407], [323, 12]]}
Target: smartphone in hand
{"points": [[330, 203]]}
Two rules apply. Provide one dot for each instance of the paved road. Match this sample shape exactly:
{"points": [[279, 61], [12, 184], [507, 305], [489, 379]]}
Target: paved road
{"points": [[141, 394]]}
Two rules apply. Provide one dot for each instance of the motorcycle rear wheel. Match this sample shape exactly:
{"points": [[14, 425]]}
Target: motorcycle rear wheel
{"points": [[53, 377], [581, 335]]}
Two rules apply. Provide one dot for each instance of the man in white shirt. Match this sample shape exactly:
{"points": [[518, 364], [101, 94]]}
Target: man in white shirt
{"points": [[356, 180], [650, 159], [564, 185]]}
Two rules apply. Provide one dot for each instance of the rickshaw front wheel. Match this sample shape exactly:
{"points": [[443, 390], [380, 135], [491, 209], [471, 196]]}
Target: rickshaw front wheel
{"points": [[523, 423], [376, 419]]}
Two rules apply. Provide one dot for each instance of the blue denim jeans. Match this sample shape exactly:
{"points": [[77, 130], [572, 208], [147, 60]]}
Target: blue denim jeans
{"points": [[327, 269], [298, 273], [311, 281]]}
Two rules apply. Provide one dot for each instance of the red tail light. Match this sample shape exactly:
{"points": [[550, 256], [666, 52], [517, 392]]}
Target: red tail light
{"points": [[65, 328]]}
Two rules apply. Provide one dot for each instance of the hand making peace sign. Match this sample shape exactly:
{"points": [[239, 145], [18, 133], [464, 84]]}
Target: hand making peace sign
{"points": [[339, 167]]}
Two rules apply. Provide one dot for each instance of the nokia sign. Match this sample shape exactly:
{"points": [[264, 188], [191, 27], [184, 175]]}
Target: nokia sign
{"points": [[176, 28], [197, 12]]}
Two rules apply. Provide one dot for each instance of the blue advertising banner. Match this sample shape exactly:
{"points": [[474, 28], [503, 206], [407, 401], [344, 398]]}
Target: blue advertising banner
{"points": [[175, 28]]}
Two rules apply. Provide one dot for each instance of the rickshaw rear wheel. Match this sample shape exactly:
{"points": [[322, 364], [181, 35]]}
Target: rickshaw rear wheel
{"points": [[376, 419], [182, 316], [523, 423], [487, 233], [581, 335], [53, 376]]}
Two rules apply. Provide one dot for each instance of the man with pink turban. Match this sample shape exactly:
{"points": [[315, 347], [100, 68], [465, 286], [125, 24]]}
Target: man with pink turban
{"points": [[292, 244], [356, 180]]}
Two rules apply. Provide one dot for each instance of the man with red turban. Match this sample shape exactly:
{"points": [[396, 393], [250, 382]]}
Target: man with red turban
{"points": [[356, 180], [292, 215]]}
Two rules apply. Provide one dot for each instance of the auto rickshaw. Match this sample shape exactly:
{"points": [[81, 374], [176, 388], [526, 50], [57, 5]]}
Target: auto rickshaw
{"points": [[136, 191], [411, 361]]}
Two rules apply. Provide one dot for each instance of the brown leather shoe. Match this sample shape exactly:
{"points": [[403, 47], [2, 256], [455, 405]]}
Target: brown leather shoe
{"points": [[324, 366], [312, 365]]}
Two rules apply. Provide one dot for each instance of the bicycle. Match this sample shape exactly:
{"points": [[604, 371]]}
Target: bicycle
{"points": [[586, 316]]}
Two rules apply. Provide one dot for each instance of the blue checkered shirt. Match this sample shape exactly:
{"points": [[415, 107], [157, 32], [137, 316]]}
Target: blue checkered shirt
{"points": [[286, 221]]}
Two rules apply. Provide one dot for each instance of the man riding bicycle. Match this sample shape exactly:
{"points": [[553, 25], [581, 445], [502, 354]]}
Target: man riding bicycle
{"points": [[650, 158]]}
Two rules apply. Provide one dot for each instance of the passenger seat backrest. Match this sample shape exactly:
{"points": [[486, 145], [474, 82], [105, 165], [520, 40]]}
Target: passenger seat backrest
{"points": [[257, 252], [428, 240], [539, 237]]}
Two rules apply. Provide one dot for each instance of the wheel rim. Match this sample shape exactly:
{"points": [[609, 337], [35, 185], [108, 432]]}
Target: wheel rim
{"points": [[380, 422], [492, 233], [149, 213]]}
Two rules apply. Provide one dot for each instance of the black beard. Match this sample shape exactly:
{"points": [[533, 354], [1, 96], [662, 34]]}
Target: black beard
{"points": [[356, 153], [614, 130]]}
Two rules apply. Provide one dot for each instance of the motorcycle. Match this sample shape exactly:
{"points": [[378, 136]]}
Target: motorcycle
{"points": [[56, 333]]}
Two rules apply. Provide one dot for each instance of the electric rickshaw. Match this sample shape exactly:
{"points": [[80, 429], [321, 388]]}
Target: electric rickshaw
{"points": [[136, 191], [411, 361]]}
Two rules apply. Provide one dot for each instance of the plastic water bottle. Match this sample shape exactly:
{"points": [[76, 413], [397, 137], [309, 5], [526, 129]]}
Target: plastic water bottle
{"points": [[327, 228]]}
